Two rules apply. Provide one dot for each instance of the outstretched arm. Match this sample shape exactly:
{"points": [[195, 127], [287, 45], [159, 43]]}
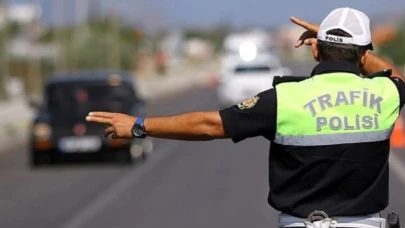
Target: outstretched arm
{"points": [[194, 126], [373, 63], [190, 126], [254, 117]]}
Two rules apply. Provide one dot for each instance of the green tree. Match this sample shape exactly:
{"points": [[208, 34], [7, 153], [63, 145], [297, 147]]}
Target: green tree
{"points": [[395, 49], [8, 30], [100, 43], [215, 35]]}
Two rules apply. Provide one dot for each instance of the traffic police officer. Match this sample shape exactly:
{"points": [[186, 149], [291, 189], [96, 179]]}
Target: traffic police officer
{"points": [[329, 133]]}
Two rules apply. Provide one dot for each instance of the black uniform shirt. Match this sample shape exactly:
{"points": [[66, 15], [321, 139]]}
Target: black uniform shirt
{"points": [[258, 117]]}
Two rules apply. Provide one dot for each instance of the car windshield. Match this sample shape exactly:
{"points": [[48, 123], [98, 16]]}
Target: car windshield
{"points": [[252, 69], [80, 98]]}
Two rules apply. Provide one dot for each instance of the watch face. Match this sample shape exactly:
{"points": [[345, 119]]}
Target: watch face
{"points": [[137, 132]]}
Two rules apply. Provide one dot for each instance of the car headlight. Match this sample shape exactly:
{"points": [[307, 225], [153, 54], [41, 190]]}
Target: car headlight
{"points": [[248, 51], [42, 131]]}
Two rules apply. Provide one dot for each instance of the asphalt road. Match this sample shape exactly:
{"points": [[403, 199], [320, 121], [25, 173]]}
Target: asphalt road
{"points": [[183, 184]]}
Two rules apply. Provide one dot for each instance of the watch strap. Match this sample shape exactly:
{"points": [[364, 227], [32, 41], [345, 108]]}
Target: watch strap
{"points": [[140, 120]]}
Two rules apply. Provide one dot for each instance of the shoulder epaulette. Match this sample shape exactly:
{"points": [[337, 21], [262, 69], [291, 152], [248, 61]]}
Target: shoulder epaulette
{"points": [[385, 73], [283, 79]]}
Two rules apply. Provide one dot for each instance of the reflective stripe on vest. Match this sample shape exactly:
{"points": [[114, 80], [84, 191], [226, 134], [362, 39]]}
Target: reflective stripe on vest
{"points": [[336, 108]]}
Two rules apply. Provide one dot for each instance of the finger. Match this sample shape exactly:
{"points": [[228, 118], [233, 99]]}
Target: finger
{"points": [[301, 23], [303, 37], [99, 120], [102, 114], [114, 136], [310, 41], [109, 131], [304, 24], [299, 43]]}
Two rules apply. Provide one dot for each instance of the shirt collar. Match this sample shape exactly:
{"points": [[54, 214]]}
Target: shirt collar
{"points": [[335, 66]]}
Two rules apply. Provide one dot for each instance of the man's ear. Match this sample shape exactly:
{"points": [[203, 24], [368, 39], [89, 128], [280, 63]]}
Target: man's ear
{"points": [[315, 52], [363, 58]]}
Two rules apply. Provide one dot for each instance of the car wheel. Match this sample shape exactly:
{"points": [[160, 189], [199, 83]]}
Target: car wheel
{"points": [[123, 157], [145, 156], [39, 159]]}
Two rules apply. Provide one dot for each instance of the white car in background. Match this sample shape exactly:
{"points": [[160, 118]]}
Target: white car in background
{"points": [[244, 76]]}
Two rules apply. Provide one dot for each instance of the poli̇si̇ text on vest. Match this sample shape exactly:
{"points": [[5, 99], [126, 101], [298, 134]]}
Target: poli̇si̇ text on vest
{"points": [[355, 98]]}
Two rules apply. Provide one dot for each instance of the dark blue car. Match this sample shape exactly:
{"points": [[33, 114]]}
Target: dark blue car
{"points": [[59, 130]]}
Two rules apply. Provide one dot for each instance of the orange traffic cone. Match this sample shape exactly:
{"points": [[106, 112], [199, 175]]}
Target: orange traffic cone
{"points": [[398, 134]]}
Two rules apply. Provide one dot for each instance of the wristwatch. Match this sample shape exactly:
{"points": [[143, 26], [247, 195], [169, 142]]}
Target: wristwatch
{"points": [[138, 130]]}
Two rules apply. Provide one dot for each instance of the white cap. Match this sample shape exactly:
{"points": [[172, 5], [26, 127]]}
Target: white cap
{"points": [[352, 21]]}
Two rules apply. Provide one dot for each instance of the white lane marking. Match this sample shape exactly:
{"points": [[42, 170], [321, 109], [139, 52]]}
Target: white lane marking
{"points": [[119, 187], [397, 166]]}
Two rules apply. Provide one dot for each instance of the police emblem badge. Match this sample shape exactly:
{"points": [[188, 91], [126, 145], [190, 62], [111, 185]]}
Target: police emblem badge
{"points": [[248, 103]]}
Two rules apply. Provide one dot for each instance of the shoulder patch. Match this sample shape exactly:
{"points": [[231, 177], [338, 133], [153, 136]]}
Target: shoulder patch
{"points": [[248, 103]]}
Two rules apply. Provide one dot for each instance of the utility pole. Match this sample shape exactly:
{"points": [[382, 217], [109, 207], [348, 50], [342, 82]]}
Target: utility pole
{"points": [[114, 58], [35, 77]]}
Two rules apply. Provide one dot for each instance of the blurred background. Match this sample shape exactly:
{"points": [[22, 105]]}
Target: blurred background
{"points": [[182, 56]]}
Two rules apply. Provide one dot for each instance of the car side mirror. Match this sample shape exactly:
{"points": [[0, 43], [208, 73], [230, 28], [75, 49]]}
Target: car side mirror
{"points": [[142, 101], [138, 108], [34, 103]]}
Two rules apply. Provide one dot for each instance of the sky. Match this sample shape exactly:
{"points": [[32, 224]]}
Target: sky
{"points": [[180, 13], [266, 12]]}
